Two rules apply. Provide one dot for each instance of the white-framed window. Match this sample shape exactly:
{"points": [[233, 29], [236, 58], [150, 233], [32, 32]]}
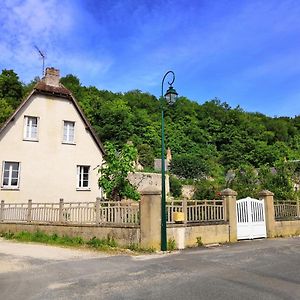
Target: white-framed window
{"points": [[69, 132], [31, 128], [83, 174], [10, 174]]}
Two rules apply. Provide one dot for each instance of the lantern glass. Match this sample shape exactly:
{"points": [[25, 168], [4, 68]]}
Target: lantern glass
{"points": [[171, 95]]}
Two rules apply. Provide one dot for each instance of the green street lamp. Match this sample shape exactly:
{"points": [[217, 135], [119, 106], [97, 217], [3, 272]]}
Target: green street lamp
{"points": [[170, 96]]}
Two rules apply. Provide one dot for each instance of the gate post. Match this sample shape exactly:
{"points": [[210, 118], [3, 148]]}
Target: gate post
{"points": [[150, 217], [229, 197], [269, 211]]}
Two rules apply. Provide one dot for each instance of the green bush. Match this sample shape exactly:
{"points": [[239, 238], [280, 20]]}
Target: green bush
{"points": [[175, 187], [207, 189]]}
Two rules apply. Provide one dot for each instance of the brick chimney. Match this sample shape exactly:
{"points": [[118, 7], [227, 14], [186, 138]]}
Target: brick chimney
{"points": [[51, 77]]}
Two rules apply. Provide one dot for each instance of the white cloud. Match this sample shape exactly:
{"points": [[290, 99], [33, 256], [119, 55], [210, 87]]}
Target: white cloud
{"points": [[29, 23]]}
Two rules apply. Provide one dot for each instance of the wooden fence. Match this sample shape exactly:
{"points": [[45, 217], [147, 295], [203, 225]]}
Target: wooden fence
{"points": [[197, 211], [99, 212], [286, 209]]}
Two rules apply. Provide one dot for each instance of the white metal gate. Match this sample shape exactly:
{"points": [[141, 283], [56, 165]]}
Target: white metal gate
{"points": [[250, 218]]}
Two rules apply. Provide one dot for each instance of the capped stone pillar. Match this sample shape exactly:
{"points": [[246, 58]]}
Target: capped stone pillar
{"points": [[269, 211], [150, 219], [229, 197]]}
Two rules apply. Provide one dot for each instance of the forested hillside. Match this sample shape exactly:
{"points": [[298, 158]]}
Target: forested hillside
{"points": [[212, 137]]}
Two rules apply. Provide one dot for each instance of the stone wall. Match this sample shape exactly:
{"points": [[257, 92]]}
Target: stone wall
{"points": [[123, 235], [287, 228], [186, 236], [148, 181]]}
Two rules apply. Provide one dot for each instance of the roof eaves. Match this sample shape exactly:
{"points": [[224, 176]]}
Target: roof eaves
{"points": [[88, 124], [12, 117]]}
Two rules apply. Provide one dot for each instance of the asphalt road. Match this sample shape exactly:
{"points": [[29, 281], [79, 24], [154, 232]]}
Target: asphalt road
{"points": [[260, 269]]}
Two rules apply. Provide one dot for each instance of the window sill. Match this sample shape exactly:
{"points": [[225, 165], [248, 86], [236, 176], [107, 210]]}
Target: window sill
{"points": [[83, 189], [10, 188], [30, 140], [68, 143]]}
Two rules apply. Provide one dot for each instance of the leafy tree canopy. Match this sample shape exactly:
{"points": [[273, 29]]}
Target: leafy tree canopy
{"points": [[206, 139], [114, 172]]}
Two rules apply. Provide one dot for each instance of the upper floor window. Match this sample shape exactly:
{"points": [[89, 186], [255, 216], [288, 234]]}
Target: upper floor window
{"points": [[69, 132], [31, 128], [10, 174], [83, 177]]}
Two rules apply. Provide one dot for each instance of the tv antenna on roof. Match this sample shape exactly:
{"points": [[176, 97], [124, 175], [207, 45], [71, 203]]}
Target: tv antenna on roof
{"points": [[43, 56]]}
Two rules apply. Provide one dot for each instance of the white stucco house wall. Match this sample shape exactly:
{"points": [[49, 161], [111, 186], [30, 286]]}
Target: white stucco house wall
{"points": [[48, 149]]}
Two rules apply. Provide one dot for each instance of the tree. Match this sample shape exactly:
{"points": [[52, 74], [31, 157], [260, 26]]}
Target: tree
{"points": [[175, 187], [245, 182], [279, 180], [114, 172], [189, 166], [72, 83], [146, 155], [5, 110], [11, 89]]}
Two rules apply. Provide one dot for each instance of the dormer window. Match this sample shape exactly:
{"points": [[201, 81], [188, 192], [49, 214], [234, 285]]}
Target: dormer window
{"points": [[69, 132], [31, 128]]}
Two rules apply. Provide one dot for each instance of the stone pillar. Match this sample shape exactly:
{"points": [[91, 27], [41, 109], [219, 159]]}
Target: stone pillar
{"points": [[150, 219], [269, 211], [229, 197], [29, 210]]}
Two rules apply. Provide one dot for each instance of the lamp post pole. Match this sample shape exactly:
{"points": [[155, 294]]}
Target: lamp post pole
{"points": [[170, 95]]}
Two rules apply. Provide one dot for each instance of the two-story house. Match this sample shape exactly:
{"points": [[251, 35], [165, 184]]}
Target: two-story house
{"points": [[48, 149]]}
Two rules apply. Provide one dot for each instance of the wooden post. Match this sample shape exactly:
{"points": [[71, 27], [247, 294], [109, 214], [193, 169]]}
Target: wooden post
{"points": [[2, 211], [298, 208], [61, 210], [229, 197], [29, 210], [98, 210]]}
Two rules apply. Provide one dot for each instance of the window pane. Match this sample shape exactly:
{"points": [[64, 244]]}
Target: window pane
{"points": [[15, 166], [11, 174], [34, 121], [68, 131], [31, 127], [14, 182], [14, 174], [83, 176]]}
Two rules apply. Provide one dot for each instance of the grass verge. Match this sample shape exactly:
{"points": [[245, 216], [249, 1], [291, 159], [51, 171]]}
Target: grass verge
{"points": [[107, 244]]}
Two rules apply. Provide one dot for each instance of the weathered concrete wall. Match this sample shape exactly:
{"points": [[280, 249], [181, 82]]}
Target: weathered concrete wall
{"points": [[146, 182], [287, 228], [123, 235], [186, 236]]}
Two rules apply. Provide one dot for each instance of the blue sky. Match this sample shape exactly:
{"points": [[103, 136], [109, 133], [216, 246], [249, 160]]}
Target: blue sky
{"points": [[246, 53]]}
